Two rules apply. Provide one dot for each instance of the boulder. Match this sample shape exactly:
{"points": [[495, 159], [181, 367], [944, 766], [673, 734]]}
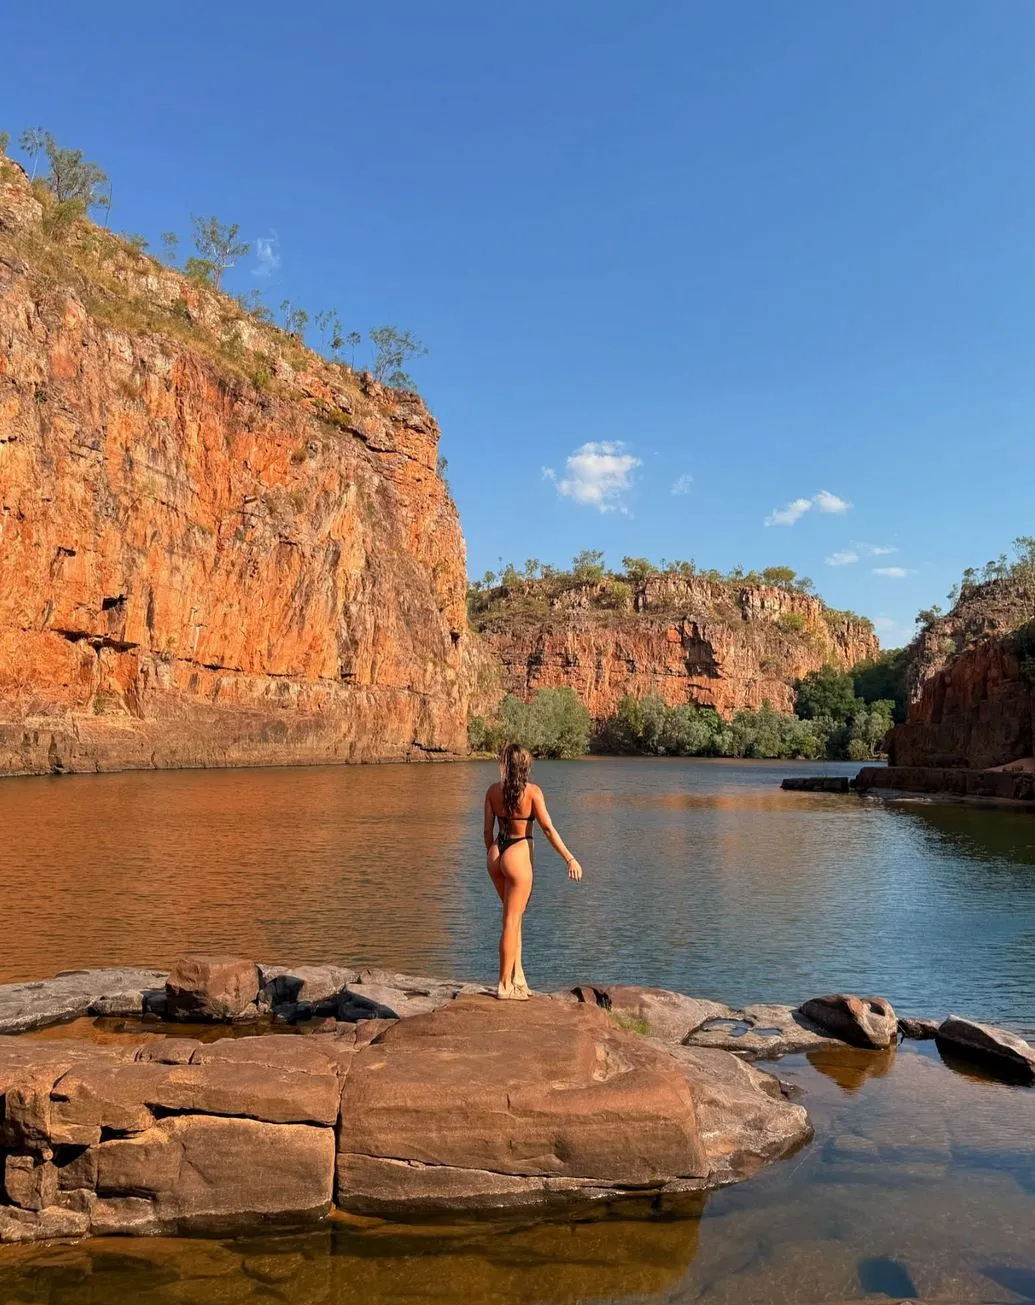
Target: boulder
{"points": [[997, 1049], [653, 1011], [212, 988], [315, 986], [859, 1021], [486, 1103]]}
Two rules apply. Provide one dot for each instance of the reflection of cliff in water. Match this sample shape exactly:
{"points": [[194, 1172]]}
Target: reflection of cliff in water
{"points": [[978, 833]]}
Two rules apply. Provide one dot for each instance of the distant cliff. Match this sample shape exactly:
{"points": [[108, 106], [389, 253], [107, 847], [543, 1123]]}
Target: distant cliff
{"points": [[716, 643], [970, 678], [215, 547]]}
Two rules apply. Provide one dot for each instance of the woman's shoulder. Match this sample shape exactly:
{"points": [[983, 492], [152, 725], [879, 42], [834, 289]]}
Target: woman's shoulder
{"points": [[494, 790], [534, 791]]}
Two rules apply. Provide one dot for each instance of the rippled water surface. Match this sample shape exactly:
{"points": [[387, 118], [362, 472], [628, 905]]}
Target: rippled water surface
{"points": [[700, 875]]}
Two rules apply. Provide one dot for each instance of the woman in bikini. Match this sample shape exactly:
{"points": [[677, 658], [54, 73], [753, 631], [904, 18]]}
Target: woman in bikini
{"points": [[514, 805]]}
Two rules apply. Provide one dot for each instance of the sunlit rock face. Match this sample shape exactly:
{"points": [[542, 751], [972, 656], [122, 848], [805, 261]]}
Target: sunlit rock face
{"points": [[215, 548], [688, 639]]}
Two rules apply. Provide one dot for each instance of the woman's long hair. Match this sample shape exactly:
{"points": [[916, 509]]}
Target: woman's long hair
{"points": [[516, 762]]}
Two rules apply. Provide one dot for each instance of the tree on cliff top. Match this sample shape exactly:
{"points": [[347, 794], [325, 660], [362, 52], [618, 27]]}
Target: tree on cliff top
{"points": [[392, 350], [71, 179], [218, 249]]}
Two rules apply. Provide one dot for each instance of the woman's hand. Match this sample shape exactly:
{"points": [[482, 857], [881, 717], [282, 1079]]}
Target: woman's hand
{"points": [[574, 870]]}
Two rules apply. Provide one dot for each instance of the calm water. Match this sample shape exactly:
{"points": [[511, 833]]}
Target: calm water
{"points": [[700, 875], [921, 1183]]}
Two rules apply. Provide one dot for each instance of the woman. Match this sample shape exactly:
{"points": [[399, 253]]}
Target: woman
{"points": [[515, 805]]}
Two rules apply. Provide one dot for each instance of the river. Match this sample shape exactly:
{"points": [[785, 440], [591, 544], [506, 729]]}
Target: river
{"points": [[701, 876]]}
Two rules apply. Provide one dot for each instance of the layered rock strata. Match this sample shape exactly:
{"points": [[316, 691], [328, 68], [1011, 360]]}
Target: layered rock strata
{"points": [[477, 1103], [688, 639], [215, 548]]}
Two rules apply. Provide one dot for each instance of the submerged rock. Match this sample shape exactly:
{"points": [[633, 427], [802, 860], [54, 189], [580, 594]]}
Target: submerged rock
{"points": [[917, 1028], [761, 1032], [859, 1021], [998, 1049]]}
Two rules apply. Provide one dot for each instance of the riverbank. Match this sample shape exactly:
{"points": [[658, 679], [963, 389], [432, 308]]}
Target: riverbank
{"points": [[397, 1095]]}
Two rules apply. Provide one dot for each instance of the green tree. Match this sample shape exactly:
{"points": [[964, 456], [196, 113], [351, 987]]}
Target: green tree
{"points": [[170, 246], [588, 565], [353, 340], [883, 679], [5, 141], [295, 319], [638, 569], [392, 351], [828, 694], [34, 142], [532, 567], [782, 576], [73, 179], [218, 247]]}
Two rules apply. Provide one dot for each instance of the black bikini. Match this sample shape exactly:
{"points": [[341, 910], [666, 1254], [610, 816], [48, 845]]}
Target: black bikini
{"points": [[507, 840]]}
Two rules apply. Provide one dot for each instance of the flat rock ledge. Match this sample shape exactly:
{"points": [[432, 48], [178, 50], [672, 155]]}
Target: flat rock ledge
{"points": [[478, 1104]]}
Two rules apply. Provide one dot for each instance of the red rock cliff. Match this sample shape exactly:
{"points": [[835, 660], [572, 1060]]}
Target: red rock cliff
{"points": [[215, 548], [689, 639], [970, 696]]}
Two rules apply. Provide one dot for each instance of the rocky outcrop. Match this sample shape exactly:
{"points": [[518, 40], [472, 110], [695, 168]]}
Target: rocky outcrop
{"points": [[215, 548], [690, 639], [211, 988], [1008, 786], [975, 711], [477, 1104]]}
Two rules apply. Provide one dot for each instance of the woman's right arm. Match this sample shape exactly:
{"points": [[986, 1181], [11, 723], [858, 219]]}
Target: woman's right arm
{"points": [[555, 840]]}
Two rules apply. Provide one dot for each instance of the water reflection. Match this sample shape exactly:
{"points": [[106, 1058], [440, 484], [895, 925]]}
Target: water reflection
{"points": [[700, 875], [921, 1183]]}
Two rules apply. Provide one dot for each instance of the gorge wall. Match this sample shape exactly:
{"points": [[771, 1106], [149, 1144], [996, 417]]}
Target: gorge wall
{"points": [[690, 639], [215, 548], [970, 683]]}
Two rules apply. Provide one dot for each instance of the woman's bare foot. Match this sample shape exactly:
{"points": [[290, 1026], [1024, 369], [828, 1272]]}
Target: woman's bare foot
{"points": [[521, 984], [504, 991]]}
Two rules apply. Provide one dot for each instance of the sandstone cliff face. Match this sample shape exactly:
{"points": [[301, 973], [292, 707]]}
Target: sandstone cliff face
{"points": [[970, 696], [689, 639], [215, 548]]}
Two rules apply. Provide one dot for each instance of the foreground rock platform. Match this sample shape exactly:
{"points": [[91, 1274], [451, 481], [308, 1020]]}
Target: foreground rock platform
{"points": [[478, 1105]]}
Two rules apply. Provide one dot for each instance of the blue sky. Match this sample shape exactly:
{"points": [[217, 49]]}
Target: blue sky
{"points": [[765, 253]]}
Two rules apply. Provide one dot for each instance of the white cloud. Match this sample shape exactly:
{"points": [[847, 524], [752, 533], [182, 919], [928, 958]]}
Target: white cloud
{"points": [[786, 516], [598, 474], [880, 550], [796, 509], [681, 485], [267, 255], [845, 557], [895, 572], [827, 502]]}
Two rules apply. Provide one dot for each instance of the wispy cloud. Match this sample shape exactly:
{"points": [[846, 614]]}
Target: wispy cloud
{"points": [[267, 255], [892, 572], [598, 474], [786, 516], [827, 502], [796, 509], [845, 557], [880, 550], [682, 484]]}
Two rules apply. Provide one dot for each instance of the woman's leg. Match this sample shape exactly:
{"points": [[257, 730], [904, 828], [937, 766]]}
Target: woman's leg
{"points": [[517, 871]]}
